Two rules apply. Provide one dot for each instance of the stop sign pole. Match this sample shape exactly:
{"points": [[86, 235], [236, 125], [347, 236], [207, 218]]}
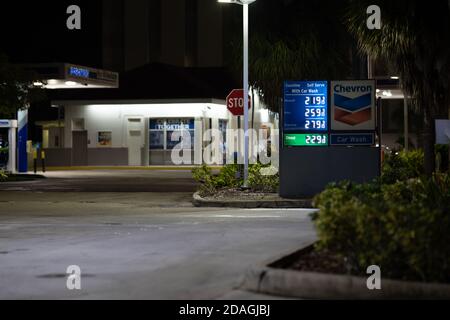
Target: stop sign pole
{"points": [[245, 4], [245, 80], [235, 104]]}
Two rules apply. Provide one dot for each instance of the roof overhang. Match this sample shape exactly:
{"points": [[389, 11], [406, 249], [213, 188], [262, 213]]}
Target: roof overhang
{"points": [[50, 124], [137, 102], [389, 88], [71, 76]]}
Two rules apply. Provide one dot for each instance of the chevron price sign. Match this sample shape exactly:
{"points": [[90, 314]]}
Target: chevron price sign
{"points": [[353, 105]]}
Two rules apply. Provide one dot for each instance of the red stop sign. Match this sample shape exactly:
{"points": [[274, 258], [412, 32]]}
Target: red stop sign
{"points": [[235, 102]]}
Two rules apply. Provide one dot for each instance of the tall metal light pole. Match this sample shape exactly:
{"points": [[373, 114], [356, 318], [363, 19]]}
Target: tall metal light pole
{"points": [[245, 4]]}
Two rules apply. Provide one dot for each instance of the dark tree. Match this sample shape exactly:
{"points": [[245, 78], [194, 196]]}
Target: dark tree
{"points": [[292, 40], [415, 39], [16, 88]]}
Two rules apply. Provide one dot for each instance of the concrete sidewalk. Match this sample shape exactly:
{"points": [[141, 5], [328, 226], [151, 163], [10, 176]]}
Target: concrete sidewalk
{"points": [[126, 168], [108, 181]]}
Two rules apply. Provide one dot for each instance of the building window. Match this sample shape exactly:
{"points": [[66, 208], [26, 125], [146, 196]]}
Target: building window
{"points": [[223, 129], [165, 134], [104, 139], [157, 134]]}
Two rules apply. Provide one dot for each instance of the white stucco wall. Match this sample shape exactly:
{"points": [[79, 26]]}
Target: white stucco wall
{"points": [[113, 118]]}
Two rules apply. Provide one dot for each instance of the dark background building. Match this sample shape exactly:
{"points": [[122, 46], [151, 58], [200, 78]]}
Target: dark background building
{"points": [[116, 34], [178, 32], [122, 35]]}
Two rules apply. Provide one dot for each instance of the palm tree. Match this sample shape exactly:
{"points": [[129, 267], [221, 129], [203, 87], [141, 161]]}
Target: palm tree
{"points": [[292, 40], [16, 88], [415, 40]]}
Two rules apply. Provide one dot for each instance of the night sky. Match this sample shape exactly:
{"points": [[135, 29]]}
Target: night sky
{"points": [[35, 31]]}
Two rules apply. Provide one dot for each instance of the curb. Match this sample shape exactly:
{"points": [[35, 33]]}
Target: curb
{"points": [[310, 285], [199, 201], [125, 168]]}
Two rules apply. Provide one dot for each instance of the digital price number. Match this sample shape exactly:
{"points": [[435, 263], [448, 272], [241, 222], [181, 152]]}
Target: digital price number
{"points": [[319, 100], [305, 140], [306, 106]]}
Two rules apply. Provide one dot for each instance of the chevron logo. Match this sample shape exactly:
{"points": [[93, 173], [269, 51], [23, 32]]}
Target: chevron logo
{"points": [[353, 111]]}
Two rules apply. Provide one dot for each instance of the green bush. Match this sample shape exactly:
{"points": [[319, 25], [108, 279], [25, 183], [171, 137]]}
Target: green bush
{"points": [[3, 175], [230, 177], [402, 227], [227, 177], [442, 157], [204, 176], [263, 178], [402, 165]]}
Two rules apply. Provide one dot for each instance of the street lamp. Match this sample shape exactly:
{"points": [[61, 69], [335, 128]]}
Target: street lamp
{"points": [[244, 4]]}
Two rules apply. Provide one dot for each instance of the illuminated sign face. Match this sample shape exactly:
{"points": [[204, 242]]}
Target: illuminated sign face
{"points": [[172, 124], [305, 106], [5, 123], [305, 140], [353, 105], [79, 72], [8, 123], [352, 139]]}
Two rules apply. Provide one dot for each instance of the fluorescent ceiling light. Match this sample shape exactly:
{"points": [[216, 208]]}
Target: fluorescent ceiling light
{"points": [[38, 84], [395, 77], [71, 83], [237, 1]]}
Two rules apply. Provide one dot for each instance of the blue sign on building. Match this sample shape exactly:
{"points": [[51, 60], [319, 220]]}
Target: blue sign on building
{"points": [[79, 72], [352, 139], [172, 124], [306, 106]]}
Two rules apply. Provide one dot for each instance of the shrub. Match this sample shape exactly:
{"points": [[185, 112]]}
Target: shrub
{"points": [[230, 177], [402, 165], [402, 227], [442, 157], [262, 178], [203, 175], [227, 177], [3, 175]]}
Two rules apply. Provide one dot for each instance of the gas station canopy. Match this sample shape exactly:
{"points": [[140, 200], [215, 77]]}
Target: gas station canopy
{"points": [[70, 76], [389, 89]]}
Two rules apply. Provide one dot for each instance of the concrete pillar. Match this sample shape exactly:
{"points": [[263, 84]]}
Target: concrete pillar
{"points": [[22, 131], [12, 146], [198, 141]]}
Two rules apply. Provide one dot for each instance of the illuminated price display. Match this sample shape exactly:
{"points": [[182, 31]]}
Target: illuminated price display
{"points": [[306, 106], [305, 140]]}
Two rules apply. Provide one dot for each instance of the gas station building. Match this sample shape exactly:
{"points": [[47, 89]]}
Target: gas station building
{"points": [[107, 121], [131, 123]]}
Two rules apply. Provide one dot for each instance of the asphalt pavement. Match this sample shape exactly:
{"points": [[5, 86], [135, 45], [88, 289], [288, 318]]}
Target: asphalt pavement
{"points": [[108, 181], [134, 245]]}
